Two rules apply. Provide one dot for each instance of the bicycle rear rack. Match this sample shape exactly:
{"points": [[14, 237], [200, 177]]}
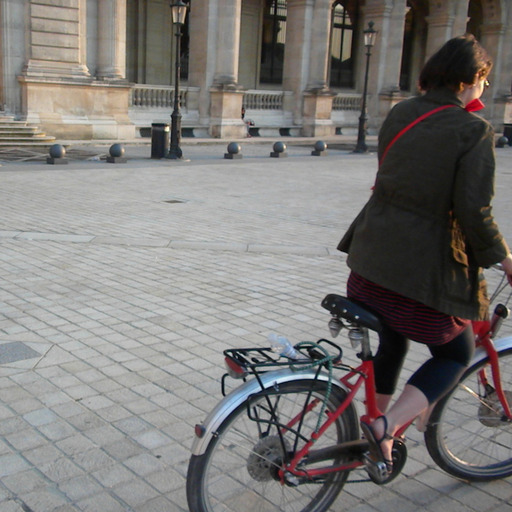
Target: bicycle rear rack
{"points": [[245, 362]]}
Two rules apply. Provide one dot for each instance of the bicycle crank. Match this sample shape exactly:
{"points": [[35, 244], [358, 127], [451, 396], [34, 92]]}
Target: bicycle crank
{"points": [[378, 472]]}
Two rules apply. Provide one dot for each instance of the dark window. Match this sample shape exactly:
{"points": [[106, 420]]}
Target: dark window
{"points": [[475, 18], [273, 41], [342, 47]]}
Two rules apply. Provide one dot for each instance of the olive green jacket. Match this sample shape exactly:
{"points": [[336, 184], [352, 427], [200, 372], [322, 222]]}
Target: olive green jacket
{"points": [[428, 226]]}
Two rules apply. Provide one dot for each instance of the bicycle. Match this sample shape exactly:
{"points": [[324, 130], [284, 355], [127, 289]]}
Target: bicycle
{"points": [[288, 438]]}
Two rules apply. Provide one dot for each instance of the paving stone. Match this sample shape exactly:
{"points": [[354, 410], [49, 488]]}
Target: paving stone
{"points": [[80, 487], [144, 464], [26, 439], [16, 351], [40, 417], [11, 464], [135, 493], [101, 501], [129, 303]]}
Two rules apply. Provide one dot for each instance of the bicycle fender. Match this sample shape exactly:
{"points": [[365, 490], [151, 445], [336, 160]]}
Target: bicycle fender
{"points": [[239, 395], [500, 345]]}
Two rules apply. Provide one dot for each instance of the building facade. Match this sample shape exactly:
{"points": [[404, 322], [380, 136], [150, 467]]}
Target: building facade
{"points": [[104, 69]]}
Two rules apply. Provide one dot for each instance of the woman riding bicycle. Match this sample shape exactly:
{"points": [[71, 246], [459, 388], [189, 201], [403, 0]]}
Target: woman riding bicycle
{"points": [[417, 248]]}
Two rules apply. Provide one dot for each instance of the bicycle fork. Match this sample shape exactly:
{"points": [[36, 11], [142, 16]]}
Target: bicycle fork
{"points": [[496, 378]]}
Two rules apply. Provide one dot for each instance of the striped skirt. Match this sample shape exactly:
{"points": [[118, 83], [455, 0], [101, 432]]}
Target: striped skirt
{"points": [[406, 316]]}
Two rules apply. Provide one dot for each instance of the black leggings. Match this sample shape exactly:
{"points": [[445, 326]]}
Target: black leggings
{"points": [[436, 376]]}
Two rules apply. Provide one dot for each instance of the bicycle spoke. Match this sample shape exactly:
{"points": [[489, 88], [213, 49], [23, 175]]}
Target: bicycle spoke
{"points": [[470, 436], [243, 468]]}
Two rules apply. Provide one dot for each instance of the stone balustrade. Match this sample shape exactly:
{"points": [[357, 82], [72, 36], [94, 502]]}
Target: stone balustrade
{"points": [[263, 100], [268, 110], [161, 96], [348, 102], [156, 96]]}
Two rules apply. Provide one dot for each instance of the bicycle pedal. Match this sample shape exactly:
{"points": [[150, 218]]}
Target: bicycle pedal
{"points": [[377, 471]]}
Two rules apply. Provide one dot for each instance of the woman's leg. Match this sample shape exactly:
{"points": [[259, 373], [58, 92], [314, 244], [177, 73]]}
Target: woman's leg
{"points": [[387, 363], [428, 384], [409, 404], [441, 373]]}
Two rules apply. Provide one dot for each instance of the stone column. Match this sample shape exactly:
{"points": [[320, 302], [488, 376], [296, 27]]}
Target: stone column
{"points": [[13, 28], [201, 67], [226, 96], [315, 34], [111, 39], [440, 21], [385, 59], [498, 99], [305, 66], [461, 17], [57, 39], [228, 42], [297, 54], [57, 91]]}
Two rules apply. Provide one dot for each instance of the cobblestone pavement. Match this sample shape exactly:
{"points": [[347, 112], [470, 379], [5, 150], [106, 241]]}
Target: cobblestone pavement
{"points": [[121, 284]]}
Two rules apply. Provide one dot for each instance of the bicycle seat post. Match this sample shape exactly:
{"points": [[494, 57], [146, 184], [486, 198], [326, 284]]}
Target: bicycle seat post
{"points": [[366, 352]]}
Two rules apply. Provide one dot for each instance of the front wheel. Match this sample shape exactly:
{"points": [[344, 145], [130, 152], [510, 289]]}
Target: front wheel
{"points": [[240, 469], [468, 434]]}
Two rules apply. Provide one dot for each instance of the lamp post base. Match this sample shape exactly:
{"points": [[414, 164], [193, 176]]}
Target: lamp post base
{"points": [[175, 153], [360, 148]]}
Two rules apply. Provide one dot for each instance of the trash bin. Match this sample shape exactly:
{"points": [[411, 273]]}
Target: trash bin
{"points": [[507, 132], [159, 140]]}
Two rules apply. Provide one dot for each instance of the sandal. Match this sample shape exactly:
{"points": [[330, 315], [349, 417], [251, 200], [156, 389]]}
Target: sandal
{"points": [[374, 443]]}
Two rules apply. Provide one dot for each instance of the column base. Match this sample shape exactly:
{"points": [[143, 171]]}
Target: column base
{"points": [[316, 119], [226, 113], [71, 110]]}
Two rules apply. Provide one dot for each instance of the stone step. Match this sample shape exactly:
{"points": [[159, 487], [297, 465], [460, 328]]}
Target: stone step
{"points": [[31, 140], [18, 129], [15, 133]]}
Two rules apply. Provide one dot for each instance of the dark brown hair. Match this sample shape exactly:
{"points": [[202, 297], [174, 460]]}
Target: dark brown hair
{"points": [[457, 61]]}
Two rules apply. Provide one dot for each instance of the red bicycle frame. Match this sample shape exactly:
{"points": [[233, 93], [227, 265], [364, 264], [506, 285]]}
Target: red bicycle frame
{"points": [[364, 375], [483, 331]]}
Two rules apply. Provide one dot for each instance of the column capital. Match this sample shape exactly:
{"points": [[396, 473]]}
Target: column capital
{"points": [[441, 19], [493, 27], [222, 83]]}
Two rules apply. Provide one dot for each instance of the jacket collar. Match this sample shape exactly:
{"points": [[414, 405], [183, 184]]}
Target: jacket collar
{"points": [[443, 96]]}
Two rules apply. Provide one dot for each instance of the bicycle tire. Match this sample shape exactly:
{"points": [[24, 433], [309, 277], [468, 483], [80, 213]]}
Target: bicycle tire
{"points": [[239, 469], [468, 436]]}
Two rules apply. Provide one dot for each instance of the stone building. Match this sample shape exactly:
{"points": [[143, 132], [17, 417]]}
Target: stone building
{"points": [[104, 69]]}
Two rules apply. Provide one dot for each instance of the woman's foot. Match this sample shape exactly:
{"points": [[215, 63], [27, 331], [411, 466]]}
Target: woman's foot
{"points": [[380, 442]]}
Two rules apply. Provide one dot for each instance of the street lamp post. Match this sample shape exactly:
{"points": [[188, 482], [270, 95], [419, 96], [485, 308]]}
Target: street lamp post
{"points": [[179, 12], [369, 42]]}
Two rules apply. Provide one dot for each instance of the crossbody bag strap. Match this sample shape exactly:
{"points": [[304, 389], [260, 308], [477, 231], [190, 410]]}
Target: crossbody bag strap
{"points": [[409, 126]]}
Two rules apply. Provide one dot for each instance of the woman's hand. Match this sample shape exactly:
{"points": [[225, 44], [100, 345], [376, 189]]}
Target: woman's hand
{"points": [[507, 267]]}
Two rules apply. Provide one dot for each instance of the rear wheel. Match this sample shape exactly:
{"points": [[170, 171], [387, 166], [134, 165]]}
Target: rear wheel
{"points": [[240, 469], [469, 436]]}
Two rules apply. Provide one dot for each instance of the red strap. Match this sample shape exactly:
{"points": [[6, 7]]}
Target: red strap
{"points": [[409, 126]]}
